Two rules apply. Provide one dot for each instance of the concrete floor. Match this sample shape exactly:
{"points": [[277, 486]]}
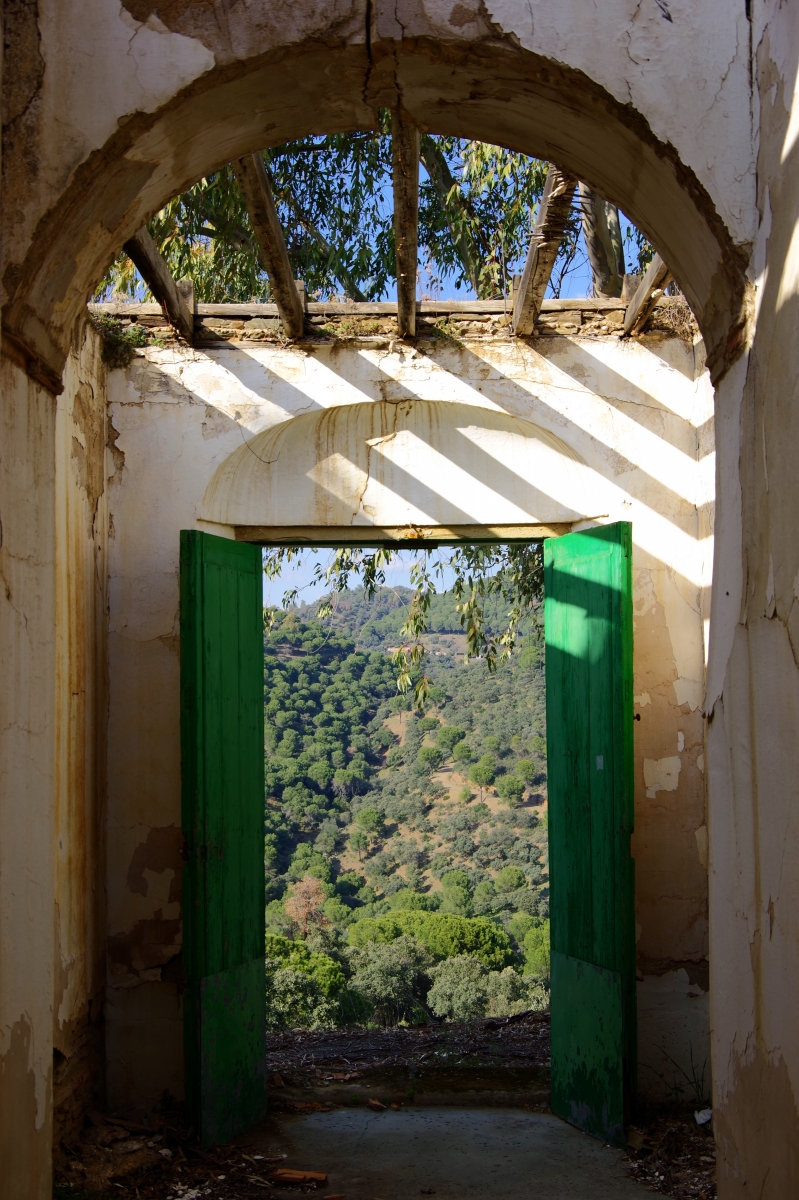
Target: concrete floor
{"points": [[452, 1153]]}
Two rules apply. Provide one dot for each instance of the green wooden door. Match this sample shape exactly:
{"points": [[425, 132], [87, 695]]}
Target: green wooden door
{"points": [[588, 615], [221, 711]]}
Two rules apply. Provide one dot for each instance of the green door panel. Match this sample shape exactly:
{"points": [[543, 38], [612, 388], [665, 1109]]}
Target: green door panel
{"points": [[588, 625], [222, 763], [587, 1074]]}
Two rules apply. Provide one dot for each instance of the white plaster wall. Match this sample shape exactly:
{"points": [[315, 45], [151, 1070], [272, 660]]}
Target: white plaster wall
{"points": [[662, 59], [637, 415]]}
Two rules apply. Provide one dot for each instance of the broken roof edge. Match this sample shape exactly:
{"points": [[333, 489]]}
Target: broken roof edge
{"points": [[366, 308]]}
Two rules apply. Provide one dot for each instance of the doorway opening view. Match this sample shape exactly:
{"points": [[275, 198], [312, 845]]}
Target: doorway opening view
{"points": [[406, 845], [433, 813]]}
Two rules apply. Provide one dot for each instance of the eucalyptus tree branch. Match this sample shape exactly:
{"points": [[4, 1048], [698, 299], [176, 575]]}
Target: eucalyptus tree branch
{"points": [[339, 270], [454, 206], [513, 573]]}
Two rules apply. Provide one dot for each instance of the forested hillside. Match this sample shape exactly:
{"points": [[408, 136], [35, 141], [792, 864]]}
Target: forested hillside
{"points": [[406, 853]]}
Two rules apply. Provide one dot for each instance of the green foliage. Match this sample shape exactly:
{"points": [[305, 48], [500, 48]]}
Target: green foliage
{"points": [[508, 879], [484, 772], [511, 574], [271, 849], [455, 879], [327, 697], [406, 900], [120, 341], [477, 206], [526, 770], [348, 883], [508, 994], [282, 952], [392, 976], [510, 789], [370, 820], [444, 934], [536, 951], [294, 1000], [307, 861], [460, 989], [336, 911], [430, 758], [457, 900], [448, 738], [465, 794], [462, 753], [519, 925]]}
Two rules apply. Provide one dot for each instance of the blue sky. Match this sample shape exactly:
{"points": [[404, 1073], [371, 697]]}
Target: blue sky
{"points": [[300, 574]]}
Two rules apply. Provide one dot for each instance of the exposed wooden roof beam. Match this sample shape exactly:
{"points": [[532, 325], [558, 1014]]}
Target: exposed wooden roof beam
{"points": [[646, 296], [405, 160], [550, 225], [176, 299], [254, 183]]}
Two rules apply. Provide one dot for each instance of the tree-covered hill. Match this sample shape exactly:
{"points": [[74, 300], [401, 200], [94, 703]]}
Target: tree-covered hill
{"points": [[376, 623], [375, 814]]}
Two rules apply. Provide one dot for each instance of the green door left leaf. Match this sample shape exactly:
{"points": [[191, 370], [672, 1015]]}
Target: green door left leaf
{"points": [[221, 715]]}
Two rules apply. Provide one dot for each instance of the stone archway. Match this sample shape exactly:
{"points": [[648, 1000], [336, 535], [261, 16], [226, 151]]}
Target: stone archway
{"points": [[191, 92]]}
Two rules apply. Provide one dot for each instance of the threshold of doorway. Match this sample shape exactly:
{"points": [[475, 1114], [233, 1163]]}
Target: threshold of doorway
{"points": [[439, 1086]]}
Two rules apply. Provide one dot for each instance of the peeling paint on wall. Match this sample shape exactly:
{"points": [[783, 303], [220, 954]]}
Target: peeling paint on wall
{"points": [[604, 401]]}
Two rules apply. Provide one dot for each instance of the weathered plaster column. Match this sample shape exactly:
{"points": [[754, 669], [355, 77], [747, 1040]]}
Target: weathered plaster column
{"points": [[81, 716], [27, 689], [753, 694]]}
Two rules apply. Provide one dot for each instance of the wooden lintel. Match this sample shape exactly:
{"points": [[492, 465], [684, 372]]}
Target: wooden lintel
{"points": [[173, 298], [369, 535], [254, 182], [405, 161], [647, 294], [550, 225]]}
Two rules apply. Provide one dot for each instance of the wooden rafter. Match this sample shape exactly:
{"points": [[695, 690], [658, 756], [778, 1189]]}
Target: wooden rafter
{"points": [[176, 299], [550, 225], [254, 183], [646, 296], [405, 160]]}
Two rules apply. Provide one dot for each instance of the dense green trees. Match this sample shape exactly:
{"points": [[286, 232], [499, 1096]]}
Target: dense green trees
{"points": [[444, 934], [364, 847]]}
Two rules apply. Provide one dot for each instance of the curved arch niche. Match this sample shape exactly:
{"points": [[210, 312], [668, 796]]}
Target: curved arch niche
{"points": [[416, 464]]}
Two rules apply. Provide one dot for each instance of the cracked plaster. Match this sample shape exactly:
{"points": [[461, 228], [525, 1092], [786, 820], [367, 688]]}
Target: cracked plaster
{"points": [[580, 392]]}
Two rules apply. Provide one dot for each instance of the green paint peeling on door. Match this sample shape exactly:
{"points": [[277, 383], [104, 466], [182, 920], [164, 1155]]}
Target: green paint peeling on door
{"points": [[221, 715], [588, 617]]}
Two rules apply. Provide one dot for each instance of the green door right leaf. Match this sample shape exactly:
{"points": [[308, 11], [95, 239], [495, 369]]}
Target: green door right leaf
{"points": [[588, 624]]}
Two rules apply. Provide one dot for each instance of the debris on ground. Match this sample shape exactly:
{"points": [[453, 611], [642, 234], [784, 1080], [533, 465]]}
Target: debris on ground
{"points": [[301, 1059], [289, 1175], [156, 1157], [673, 1155], [159, 1159]]}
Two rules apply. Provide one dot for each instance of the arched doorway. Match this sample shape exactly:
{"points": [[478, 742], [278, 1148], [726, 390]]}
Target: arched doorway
{"points": [[524, 100]]}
